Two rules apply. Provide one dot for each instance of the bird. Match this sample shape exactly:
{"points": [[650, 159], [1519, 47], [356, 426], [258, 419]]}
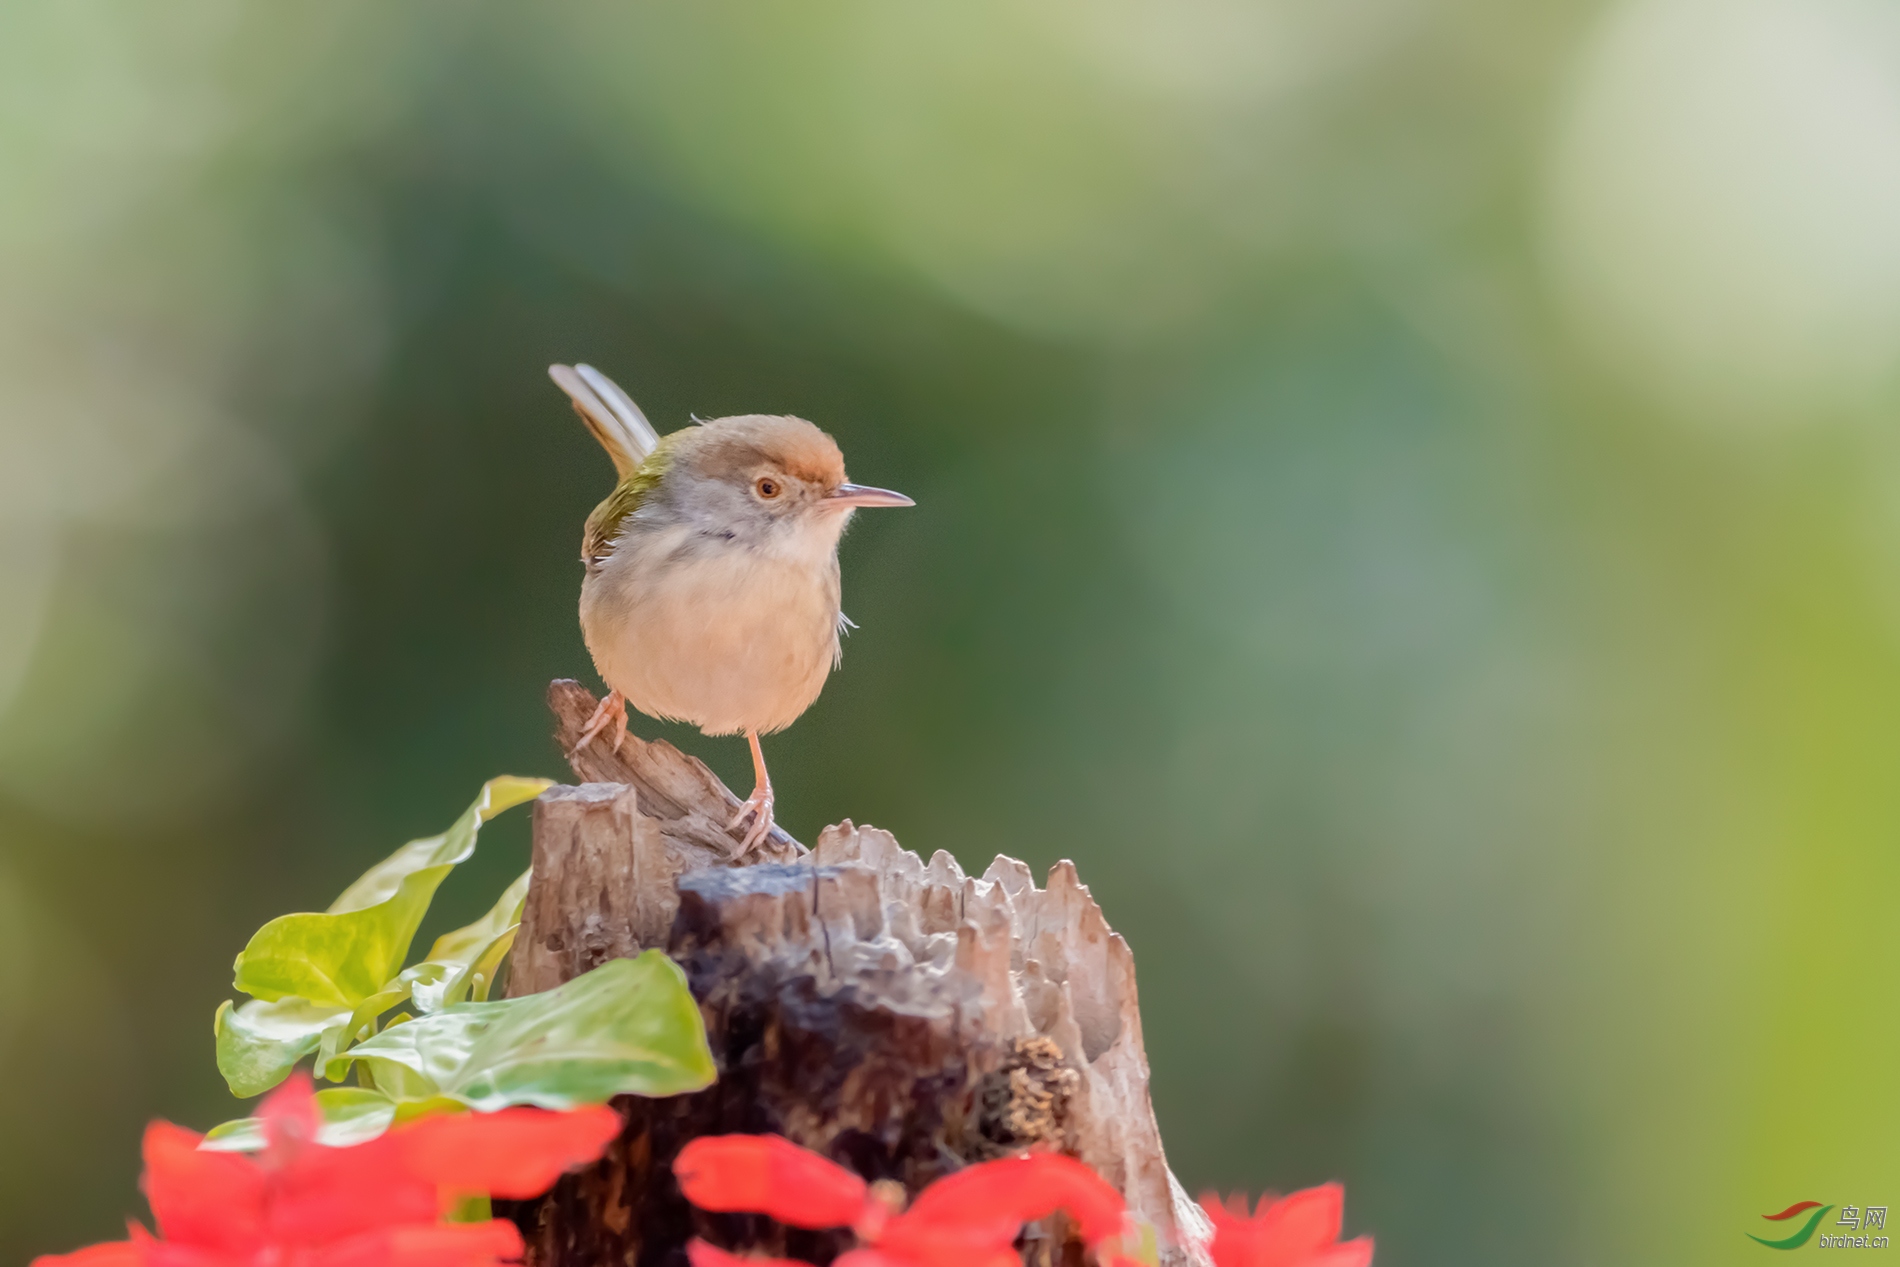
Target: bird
{"points": [[712, 593]]}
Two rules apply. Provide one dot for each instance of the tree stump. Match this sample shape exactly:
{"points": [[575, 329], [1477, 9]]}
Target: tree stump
{"points": [[901, 1018]]}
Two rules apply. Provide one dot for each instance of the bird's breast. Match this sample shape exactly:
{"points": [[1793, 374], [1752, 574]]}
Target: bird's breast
{"points": [[695, 628]]}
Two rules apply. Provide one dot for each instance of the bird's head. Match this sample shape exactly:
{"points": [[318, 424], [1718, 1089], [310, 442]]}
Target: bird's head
{"points": [[766, 480]]}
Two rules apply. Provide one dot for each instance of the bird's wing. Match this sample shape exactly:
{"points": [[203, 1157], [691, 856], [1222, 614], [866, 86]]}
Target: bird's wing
{"points": [[603, 526], [609, 413]]}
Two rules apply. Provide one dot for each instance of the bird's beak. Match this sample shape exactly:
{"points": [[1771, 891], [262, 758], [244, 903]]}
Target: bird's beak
{"points": [[859, 495]]}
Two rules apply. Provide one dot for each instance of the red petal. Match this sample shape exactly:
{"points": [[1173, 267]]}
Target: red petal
{"points": [[1294, 1231], [425, 1245], [764, 1174], [941, 1250], [1000, 1196], [176, 1254], [329, 1194], [110, 1254], [290, 1119], [929, 1244], [1354, 1253], [935, 1254], [172, 1254], [214, 1201], [862, 1258], [700, 1254], [511, 1153], [1231, 1207], [1304, 1223], [317, 1195]]}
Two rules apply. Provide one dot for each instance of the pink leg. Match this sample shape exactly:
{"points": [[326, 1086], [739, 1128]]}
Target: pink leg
{"points": [[612, 709], [758, 806]]}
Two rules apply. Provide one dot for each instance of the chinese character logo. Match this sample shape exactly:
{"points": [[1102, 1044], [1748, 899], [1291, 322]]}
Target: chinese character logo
{"points": [[1799, 1238]]}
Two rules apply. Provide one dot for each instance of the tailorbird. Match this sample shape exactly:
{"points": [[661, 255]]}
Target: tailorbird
{"points": [[712, 592]]}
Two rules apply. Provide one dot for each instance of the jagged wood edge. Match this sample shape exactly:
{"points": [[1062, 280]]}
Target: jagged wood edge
{"points": [[1031, 982], [1049, 966]]}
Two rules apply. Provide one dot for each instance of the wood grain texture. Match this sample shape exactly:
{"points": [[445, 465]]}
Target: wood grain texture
{"points": [[690, 803], [900, 1017]]}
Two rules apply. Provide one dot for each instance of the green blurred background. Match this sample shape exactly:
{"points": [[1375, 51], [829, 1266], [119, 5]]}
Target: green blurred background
{"points": [[1408, 500]]}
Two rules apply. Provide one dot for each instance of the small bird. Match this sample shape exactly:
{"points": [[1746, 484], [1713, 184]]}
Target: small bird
{"points": [[712, 592]]}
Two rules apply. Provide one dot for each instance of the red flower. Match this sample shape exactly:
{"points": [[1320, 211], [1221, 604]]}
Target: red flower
{"points": [[700, 1254], [969, 1219], [768, 1174], [378, 1204], [1297, 1231]]}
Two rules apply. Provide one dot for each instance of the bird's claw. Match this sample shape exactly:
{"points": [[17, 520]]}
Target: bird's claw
{"points": [[757, 807], [611, 710]]}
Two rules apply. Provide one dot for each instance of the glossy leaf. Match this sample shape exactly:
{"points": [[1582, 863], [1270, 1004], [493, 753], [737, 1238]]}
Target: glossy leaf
{"points": [[340, 1035], [629, 1026], [483, 971], [260, 1043], [381, 881], [462, 964], [396, 1081], [354, 950], [349, 1115]]}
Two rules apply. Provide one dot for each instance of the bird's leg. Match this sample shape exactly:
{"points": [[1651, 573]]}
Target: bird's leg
{"points": [[612, 708], [758, 806]]}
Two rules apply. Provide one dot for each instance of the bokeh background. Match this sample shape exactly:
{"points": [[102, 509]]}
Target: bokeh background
{"points": [[1409, 499]]}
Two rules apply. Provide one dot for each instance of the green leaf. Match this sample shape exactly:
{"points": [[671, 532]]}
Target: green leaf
{"points": [[339, 1036], [629, 1026], [356, 949], [350, 1115], [474, 1208], [260, 1043], [464, 962], [483, 972]]}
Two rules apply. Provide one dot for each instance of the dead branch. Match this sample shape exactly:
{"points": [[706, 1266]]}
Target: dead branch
{"points": [[900, 1017]]}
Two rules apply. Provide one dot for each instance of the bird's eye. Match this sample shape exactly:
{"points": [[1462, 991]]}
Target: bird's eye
{"points": [[769, 488]]}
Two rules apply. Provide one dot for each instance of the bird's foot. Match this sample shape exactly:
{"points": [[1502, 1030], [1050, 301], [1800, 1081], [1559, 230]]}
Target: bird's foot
{"points": [[612, 710], [757, 807]]}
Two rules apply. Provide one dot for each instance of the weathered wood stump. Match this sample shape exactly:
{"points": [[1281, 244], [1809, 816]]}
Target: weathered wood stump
{"points": [[902, 1018]]}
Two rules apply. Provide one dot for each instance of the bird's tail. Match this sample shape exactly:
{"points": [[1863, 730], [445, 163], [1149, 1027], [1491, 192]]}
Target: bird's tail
{"points": [[609, 413]]}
